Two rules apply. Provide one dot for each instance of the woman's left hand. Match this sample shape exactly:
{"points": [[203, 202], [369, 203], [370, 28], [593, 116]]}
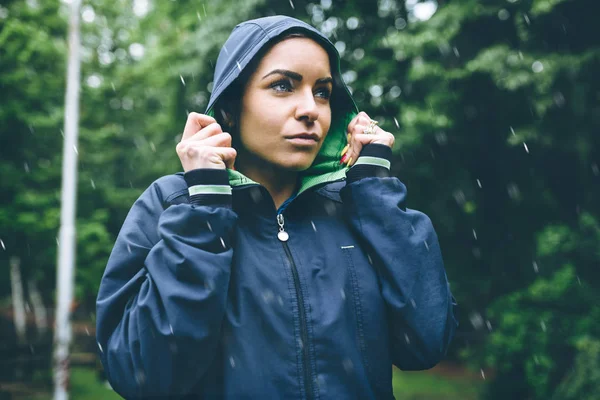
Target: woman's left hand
{"points": [[357, 138]]}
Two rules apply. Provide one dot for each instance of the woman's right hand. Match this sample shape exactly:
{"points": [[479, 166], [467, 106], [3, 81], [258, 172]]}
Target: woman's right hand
{"points": [[204, 144]]}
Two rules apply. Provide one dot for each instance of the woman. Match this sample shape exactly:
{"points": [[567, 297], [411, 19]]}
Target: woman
{"points": [[282, 264]]}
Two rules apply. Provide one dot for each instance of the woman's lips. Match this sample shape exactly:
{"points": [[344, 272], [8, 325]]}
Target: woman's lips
{"points": [[304, 139]]}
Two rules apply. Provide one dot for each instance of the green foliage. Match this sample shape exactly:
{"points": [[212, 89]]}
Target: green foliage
{"points": [[583, 381]]}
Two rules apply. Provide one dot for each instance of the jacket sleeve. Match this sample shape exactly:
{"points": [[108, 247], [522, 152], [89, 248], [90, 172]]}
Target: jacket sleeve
{"points": [[404, 248], [162, 298]]}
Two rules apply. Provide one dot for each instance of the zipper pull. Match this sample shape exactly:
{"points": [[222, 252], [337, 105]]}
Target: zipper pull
{"points": [[282, 235]]}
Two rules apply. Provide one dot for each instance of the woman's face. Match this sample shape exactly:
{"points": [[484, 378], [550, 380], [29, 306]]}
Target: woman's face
{"points": [[285, 113]]}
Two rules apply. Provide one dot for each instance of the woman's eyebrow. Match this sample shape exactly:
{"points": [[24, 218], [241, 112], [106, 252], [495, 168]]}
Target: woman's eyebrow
{"points": [[296, 76], [290, 74]]}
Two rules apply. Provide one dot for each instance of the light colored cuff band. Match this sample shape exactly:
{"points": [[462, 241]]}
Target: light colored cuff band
{"points": [[209, 189], [376, 161]]}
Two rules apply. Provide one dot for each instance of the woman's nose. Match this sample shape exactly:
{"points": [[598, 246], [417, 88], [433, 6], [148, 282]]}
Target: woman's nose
{"points": [[307, 108]]}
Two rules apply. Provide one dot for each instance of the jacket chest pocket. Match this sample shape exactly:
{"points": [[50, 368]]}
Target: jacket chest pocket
{"points": [[370, 317]]}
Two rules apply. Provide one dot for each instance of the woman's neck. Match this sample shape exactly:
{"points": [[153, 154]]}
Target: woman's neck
{"points": [[280, 184]]}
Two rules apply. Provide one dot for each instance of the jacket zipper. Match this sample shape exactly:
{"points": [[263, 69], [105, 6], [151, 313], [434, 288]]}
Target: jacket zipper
{"points": [[283, 237]]}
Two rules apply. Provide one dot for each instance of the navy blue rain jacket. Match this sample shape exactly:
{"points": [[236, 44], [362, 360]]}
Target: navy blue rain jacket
{"points": [[201, 299]]}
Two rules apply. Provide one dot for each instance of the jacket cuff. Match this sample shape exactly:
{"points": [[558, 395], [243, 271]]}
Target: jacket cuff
{"points": [[208, 187], [374, 161]]}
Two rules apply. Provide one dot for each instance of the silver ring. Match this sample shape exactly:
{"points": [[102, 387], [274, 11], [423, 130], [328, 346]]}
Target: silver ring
{"points": [[369, 130]]}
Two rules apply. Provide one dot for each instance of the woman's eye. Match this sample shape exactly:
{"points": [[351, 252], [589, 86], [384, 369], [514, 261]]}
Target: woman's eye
{"points": [[323, 92], [281, 86]]}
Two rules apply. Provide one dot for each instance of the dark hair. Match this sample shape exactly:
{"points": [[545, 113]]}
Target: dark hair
{"points": [[228, 107]]}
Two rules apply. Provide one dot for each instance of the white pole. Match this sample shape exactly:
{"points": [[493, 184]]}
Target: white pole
{"points": [[18, 299], [66, 247]]}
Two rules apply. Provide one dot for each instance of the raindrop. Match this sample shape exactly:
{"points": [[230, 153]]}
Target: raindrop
{"points": [[222, 242], [87, 331], [128, 248], [182, 80], [476, 320], [535, 267], [526, 18], [26, 167], [559, 99], [347, 364], [2, 244], [280, 300], [199, 17], [267, 296], [482, 374], [479, 183], [406, 338], [503, 14], [441, 138], [209, 226], [100, 347], [513, 191], [171, 328], [543, 325], [238, 65], [526, 148], [292, 4], [93, 184], [489, 325], [352, 23], [455, 50], [595, 169], [412, 302], [313, 226], [578, 280], [474, 234], [512, 131], [459, 197], [396, 122], [537, 67], [343, 294], [75, 149]]}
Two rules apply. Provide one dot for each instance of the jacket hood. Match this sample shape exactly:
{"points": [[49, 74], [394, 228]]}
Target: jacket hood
{"points": [[245, 41]]}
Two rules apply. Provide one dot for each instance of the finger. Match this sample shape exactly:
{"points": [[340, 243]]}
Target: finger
{"points": [[206, 132], [222, 139], [227, 154], [196, 122], [356, 145], [360, 117]]}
